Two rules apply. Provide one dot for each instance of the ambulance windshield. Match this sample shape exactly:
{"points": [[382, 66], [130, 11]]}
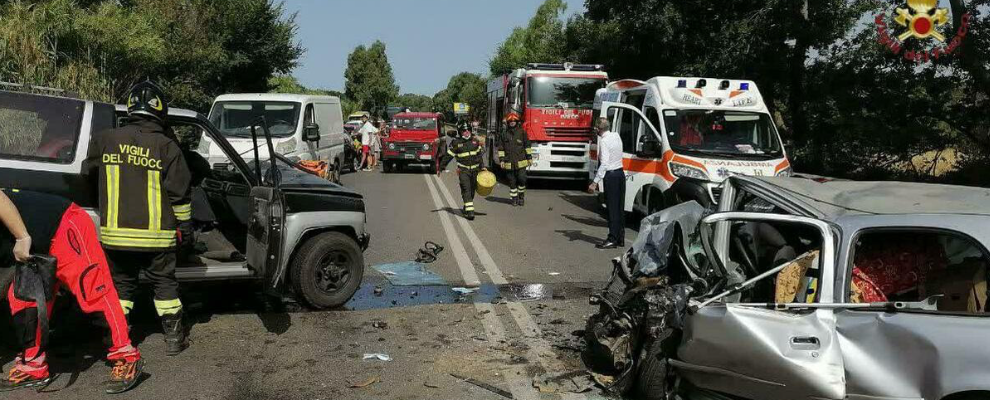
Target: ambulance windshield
{"points": [[561, 92], [721, 132]]}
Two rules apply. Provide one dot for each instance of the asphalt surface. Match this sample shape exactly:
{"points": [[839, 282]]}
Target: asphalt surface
{"points": [[533, 269]]}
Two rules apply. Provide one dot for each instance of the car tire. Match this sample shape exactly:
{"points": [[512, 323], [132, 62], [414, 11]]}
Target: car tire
{"points": [[335, 174], [327, 270], [653, 381], [387, 167], [6, 324]]}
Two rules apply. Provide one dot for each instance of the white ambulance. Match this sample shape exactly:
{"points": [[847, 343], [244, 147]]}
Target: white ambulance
{"points": [[682, 137]]}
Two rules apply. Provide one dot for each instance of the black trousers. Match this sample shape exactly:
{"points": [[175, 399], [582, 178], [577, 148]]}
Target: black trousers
{"points": [[517, 181], [468, 179], [159, 267], [615, 199]]}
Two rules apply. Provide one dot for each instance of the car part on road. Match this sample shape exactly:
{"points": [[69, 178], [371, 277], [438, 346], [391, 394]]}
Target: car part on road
{"points": [[409, 273], [365, 383], [377, 356], [485, 386], [570, 382], [429, 252]]}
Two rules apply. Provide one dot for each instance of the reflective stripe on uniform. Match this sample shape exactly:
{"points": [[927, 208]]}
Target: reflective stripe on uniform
{"points": [[522, 189], [154, 201], [529, 150], [512, 192], [520, 164], [501, 153], [183, 212], [469, 206], [467, 166], [467, 153], [127, 305], [139, 243], [113, 194], [168, 307], [451, 152], [142, 238]]}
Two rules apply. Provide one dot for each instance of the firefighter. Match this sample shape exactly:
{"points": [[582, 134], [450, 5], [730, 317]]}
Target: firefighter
{"points": [[515, 155], [145, 208], [466, 150], [39, 223]]}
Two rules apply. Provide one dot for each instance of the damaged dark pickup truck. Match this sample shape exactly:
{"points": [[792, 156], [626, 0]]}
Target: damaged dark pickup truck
{"points": [[800, 288]]}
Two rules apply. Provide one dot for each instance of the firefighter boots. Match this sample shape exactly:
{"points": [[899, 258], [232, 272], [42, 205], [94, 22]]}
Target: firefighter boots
{"points": [[521, 200], [469, 215], [175, 334]]}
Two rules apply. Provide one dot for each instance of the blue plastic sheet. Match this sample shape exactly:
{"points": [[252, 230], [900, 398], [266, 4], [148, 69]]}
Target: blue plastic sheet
{"points": [[409, 273]]}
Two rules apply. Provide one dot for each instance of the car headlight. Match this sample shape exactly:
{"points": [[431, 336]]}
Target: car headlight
{"points": [[286, 147], [426, 146], [785, 172], [685, 171], [391, 146]]}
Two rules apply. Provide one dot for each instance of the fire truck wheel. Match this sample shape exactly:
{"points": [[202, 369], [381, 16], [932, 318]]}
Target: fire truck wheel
{"points": [[327, 270], [6, 329]]}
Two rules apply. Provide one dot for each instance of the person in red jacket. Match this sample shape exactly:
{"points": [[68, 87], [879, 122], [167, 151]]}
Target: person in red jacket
{"points": [[38, 223]]}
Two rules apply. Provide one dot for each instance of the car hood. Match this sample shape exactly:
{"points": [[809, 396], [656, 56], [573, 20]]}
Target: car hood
{"points": [[299, 181]]}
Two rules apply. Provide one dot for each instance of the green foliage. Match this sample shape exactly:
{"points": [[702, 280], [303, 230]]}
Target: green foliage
{"points": [[196, 48], [368, 78], [543, 40], [415, 102], [464, 87]]}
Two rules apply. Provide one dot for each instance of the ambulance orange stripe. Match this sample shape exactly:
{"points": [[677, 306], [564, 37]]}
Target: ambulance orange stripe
{"points": [[687, 161], [697, 92], [651, 166], [735, 93], [782, 165]]}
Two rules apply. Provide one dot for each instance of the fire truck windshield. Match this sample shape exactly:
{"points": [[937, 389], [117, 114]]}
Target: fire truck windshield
{"points": [[561, 92], [732, 133]]}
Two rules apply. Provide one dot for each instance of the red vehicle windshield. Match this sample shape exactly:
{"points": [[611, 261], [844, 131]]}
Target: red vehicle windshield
{"points": [[415, 124], [562, 92]]}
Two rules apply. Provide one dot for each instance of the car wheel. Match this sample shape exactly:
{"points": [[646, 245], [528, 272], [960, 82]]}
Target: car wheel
{"points": [[335, 174], [654, 380], [327, 270], [6, 325], [386, 167]]}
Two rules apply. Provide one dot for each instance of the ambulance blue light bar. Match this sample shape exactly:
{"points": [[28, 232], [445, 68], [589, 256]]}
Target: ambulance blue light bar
{"points": [[744, 86], [682, 83]]}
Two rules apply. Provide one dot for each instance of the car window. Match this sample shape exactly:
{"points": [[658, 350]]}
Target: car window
{"points": [[39, 128], [627, 130], [912, 266], [654, 117], [760, 246]]}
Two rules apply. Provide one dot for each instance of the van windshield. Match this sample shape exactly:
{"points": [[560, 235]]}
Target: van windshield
{"points": [[721, 132], [416, 124], [234, 118]]}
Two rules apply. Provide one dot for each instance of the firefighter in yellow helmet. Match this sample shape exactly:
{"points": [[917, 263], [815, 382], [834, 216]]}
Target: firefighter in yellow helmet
{"points": [[515, 155], [467, 150], [145, 205]]}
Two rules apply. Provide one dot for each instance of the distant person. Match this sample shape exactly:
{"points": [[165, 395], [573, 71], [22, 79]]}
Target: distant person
{"points": [[43, 224], [516, 155], [610, 171], [466, 150], [376, 144], [366, 131]]}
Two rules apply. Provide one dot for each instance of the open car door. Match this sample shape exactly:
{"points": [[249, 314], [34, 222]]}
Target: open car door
{"points": [[265, 233], [778, 340]]}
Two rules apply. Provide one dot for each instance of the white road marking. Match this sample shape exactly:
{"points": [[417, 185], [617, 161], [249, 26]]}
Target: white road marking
{"points": [[518, 385], [538, 348], [463, 261]]}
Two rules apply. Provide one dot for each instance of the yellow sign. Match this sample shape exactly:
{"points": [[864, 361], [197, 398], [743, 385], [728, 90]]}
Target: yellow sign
{"points": [[461, 108], [919, 22]]}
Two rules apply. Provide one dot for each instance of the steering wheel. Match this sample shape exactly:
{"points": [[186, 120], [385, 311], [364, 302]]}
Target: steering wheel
{"points": [[748, 259]]}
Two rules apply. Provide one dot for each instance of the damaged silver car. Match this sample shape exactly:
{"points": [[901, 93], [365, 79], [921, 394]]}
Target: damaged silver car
{"points": [[801, 288]]}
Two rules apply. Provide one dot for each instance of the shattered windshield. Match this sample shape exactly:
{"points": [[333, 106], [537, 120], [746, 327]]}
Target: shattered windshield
{"points": [[730, 133], [234, 118]]}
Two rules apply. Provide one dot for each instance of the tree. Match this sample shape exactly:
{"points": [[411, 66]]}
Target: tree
{"points": [[368, 78], [543, 40], [415, 102], [464, 87]]}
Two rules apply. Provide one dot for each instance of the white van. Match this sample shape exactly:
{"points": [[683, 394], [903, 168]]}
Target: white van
{"points": [[682, 137], [303, 127]]}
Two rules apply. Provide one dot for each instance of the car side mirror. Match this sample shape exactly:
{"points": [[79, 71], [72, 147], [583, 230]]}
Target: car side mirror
{"points": [[311, 133], [649, 148]]}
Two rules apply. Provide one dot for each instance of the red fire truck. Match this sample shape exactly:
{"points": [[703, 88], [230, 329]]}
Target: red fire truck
{"points": [[555, 102]]}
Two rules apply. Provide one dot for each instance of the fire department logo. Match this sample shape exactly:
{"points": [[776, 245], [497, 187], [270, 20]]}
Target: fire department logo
{"points": [[919, 24]]}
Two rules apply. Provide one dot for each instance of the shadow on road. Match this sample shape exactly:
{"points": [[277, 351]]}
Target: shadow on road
{"points": [[596, 222], [501, 200], [576, 235], [587, 202], [457, 211]]}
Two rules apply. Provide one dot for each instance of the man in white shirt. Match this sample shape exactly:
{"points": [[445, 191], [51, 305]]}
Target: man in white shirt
{"points": [[610, 172], [367, 132]]}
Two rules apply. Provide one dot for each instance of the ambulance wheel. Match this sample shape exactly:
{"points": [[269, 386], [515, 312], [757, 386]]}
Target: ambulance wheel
{"points": [[6, 325], [327, 270]]}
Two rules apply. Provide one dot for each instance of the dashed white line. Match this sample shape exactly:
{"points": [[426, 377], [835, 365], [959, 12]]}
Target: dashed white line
{"points": [[463, 261]]}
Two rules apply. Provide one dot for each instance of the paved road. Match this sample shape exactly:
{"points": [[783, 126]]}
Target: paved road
{"points": [[534, 268]]}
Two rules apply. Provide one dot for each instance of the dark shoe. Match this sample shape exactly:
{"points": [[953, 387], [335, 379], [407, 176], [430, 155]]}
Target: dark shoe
{"points": [[175, 335], [608, 244], [522, 201], [514, 201], [124, 376], [469, 215], [18, 379]]}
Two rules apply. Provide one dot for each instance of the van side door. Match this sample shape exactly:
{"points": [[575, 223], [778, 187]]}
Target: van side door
{"points": [[332, 138]]}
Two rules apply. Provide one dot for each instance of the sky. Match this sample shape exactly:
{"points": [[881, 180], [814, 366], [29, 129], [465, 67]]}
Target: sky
{"points": [[427, 41]]}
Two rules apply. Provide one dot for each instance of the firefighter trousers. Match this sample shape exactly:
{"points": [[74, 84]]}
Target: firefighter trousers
{"points": [[158, 267], [468, 179], [83, 270], [517, 182]]}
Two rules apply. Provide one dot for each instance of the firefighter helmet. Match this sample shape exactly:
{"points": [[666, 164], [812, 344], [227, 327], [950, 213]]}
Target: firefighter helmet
{"points": [[148, 99], [464, 126], [512, 117]]}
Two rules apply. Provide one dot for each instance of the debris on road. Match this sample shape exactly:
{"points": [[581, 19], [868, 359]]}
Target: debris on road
{"points": [[379, 325], [378, 356], [484, 385], [553, 273], [363, 384], [429, 252], [431, 385], [409, 273], [379, 291], [463, 290], [570, 382]]}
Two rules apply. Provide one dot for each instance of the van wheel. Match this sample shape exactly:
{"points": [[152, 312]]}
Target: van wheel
{"points": [[6, 325], [335, 174], [327, 270]]}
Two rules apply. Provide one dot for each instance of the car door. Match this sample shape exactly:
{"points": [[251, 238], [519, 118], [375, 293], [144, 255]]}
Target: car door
{"points": [[332, 138], [312, 147], [265, 233], [767, 348], [644, 166]]}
